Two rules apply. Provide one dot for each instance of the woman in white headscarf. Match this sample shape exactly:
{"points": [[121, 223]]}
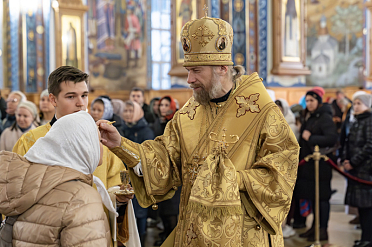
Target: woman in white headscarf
{"points": [[102, 108], [26, 120], [50, 188]]}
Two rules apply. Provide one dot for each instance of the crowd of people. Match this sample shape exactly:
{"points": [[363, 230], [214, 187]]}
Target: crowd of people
{"points": [[341, 128], [133, 119], [224, 168]]}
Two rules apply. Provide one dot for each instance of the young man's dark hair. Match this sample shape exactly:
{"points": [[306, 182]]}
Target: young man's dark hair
{"points": [[63, 74], [137, 89]]}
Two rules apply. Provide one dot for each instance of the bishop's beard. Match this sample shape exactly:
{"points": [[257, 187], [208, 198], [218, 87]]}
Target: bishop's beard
{"points": [[204, 96]]}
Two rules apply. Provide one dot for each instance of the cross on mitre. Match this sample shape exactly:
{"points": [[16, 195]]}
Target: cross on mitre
{"points": [[205, 10]]}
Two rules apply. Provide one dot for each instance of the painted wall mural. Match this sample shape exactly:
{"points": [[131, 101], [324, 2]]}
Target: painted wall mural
{"points": [[26, 25], [242, 15], [117, 44], [335, 43]]}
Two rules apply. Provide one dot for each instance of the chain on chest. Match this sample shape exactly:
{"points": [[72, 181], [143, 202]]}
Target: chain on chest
{"points": [[194, 167]]}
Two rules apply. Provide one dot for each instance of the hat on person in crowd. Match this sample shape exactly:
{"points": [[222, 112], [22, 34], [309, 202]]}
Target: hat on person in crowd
{"points": [[173, 107], [44, 93], [317, 93], [207, 41], [108, 110], [22, 95], [364, 97], [296, 108], [29, 106], [118, 106], [137, 111]]}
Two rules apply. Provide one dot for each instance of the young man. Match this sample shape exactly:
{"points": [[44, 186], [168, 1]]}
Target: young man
{"points": [[138, 95], [68, 92], [229, 147]]}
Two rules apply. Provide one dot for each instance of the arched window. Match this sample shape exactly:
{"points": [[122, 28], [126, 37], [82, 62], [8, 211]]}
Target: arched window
{"points": [[160, 43]]}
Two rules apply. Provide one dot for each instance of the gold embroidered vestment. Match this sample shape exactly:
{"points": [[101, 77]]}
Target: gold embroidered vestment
{"points": [[265, 160]]}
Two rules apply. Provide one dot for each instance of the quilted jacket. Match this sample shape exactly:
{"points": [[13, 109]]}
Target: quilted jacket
{"points": [[57, 206]]}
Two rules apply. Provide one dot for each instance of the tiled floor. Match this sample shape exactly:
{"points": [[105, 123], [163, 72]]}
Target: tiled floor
{"points": [[341, 234]]}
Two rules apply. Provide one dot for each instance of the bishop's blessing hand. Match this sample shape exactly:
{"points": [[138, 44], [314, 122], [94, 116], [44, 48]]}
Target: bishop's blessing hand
{"points": [[110, 136]]}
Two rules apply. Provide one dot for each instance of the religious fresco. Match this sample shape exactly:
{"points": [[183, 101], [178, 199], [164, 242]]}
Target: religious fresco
{"points": [[71, 41], [25, 45], [291, 29], [242, 15], [185, 11], [117, 44], [335, 43]]}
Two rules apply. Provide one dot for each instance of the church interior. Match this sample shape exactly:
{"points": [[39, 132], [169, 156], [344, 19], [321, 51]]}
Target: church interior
{"points": [[293, 45]]}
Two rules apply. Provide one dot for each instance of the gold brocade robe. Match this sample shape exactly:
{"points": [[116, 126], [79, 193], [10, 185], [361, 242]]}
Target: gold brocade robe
{"points": [[265, 158]]}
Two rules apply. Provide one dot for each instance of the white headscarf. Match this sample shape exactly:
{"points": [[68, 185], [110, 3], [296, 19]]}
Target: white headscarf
{"points": [[72, 142], [22, 95], [108, 110]]}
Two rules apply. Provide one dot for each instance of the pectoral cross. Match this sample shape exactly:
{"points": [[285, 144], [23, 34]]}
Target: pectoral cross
{"points": [[223, 144]]}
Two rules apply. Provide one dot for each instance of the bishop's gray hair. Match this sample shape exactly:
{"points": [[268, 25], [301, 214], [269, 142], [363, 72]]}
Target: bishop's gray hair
{"points": [[235, 72]]}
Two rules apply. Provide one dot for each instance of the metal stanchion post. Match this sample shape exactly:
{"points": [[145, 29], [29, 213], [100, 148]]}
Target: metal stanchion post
{"points": [[316, 156]]}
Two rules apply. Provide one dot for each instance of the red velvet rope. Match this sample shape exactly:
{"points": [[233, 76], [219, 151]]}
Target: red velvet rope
{"points": [[334, 166]]}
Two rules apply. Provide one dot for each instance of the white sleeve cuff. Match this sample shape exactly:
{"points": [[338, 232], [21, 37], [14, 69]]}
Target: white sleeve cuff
{"points": [[138, 169]]}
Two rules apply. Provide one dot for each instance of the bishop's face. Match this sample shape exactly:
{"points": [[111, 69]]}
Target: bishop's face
{"points": [[72, 98], [205, 83]]}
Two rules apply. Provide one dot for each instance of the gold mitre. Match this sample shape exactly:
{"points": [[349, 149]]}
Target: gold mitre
{"points": [[207, 41]]}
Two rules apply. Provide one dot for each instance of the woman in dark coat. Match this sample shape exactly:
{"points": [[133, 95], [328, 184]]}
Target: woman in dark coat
{"points": [[136, 129], [357, 160], [167, 109], [317, 129], [169, 209]]}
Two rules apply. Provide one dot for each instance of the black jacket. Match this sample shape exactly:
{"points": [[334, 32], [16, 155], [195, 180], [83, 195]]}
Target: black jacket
{"points": [[337, 112], [119, 122], [139, 132], [358, 150], [324, 134], [3, 107], [159, 126], [149, 116]]}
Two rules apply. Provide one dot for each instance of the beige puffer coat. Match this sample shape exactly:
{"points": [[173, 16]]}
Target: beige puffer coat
{"points": [[57, 206]]}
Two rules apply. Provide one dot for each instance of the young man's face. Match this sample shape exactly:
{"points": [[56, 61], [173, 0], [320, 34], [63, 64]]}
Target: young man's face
{"points": [[72, 98], [137, 96]]}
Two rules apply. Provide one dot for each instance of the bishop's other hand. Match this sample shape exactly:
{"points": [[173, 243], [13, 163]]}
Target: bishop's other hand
{"points": [[110, 136]]}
